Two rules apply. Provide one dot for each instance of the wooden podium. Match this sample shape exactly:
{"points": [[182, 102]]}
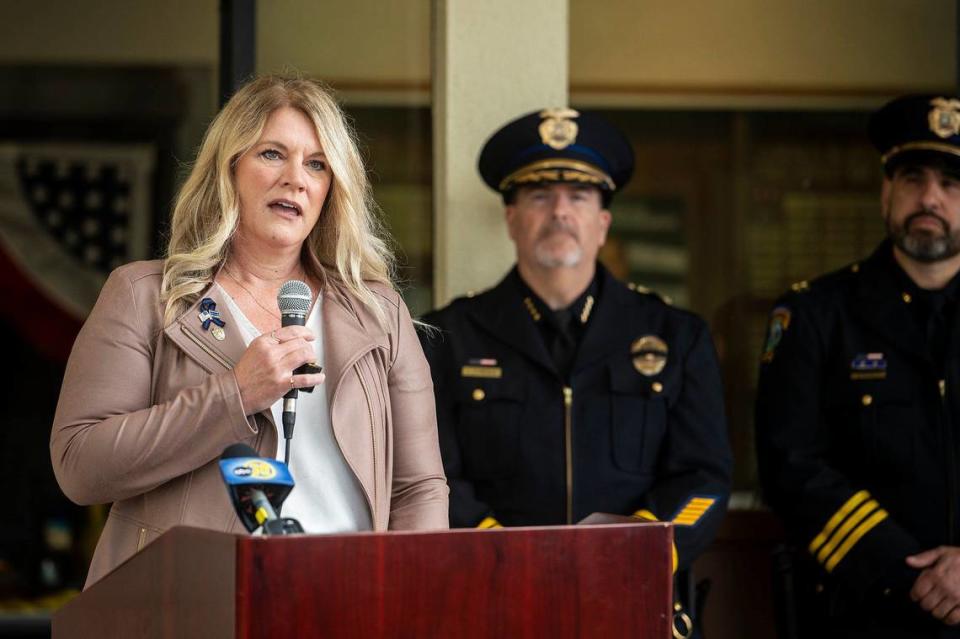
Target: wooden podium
{"points": [[566, 581]]}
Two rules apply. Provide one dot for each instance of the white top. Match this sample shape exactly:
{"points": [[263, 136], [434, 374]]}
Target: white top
{"points": [[327, 497]]}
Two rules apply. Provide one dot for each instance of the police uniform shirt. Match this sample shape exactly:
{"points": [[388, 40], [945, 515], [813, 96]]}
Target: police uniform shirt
{"points": [[856, 422], [636, 426]]}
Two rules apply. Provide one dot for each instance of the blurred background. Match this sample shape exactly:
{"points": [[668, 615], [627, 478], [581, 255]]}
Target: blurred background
{"points": [[753, 171]]}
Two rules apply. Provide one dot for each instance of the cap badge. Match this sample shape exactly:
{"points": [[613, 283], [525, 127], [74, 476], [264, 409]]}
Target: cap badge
{"points": [[557, 130], [649, 355], [945, 117]]}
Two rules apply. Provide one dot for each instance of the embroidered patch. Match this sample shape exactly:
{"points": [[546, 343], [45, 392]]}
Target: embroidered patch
{"points": [[779, 323]]}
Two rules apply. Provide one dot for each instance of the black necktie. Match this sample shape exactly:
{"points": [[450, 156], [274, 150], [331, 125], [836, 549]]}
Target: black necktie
{"points": [[564, 346]]}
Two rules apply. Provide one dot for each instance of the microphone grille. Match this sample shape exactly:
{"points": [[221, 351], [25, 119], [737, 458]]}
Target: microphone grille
{"points": [[294, 297]]}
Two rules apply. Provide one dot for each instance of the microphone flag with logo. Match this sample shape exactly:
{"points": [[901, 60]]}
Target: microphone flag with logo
{"points": [[258, 486]]}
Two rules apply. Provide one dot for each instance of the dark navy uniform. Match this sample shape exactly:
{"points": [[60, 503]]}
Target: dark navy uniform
{"points": [[636, 425], [858, 411], [857, 443]]}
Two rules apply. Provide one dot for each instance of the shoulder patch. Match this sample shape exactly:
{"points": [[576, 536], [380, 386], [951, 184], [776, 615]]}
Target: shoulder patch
{"points": [[639, 288], [779, 323]]}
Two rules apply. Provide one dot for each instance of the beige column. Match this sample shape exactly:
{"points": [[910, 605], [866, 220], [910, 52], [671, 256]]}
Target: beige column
{"points": [[493, 61]]}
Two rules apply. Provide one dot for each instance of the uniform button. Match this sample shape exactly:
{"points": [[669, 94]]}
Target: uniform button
{"points": [[906, 298], [657, 387], [819, 588], [886, 592], [478, 394], [867, 400]]}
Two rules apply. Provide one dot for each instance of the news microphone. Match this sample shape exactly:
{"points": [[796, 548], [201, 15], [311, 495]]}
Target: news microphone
{"points": [[257, 488]]}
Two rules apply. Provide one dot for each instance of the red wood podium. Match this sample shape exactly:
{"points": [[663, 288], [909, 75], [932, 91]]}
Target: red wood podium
{"points": [[566, 581]]}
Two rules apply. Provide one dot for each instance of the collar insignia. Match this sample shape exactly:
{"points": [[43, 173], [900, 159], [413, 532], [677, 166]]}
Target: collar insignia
{"points": [[587, 308], [532, 309]]}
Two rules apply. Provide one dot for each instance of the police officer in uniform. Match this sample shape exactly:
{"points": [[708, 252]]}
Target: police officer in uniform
{"points": [[561, 391], [858, 405]]}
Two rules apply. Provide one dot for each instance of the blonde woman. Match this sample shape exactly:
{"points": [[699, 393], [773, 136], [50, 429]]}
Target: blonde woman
{"points": [[185, 356]]}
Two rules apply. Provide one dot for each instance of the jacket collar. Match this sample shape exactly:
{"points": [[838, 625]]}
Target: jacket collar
{"points": [[506, 318], [610, 327], [201, 344]]}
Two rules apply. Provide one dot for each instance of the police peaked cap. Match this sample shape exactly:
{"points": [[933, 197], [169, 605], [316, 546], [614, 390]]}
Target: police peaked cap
{"points": [[556, 145], [913, 126]]}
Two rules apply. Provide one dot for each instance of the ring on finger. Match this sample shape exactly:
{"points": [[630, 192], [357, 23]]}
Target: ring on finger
{"points": [[291, 381], [273, 334]]}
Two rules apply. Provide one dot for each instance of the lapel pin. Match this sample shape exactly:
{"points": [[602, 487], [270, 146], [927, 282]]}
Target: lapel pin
{"points": [[210, 319]]}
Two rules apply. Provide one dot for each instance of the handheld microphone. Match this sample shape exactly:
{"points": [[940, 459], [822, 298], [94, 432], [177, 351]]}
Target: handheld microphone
{"points": [[294, 301], [257, 488]]}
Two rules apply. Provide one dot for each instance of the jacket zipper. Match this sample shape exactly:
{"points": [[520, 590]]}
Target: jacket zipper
{"points": [[568, 445], [206, 349], [951, 464]]}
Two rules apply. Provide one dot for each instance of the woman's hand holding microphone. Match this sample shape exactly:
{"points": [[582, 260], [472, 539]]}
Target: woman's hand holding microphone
{"points": [[265, 372]]}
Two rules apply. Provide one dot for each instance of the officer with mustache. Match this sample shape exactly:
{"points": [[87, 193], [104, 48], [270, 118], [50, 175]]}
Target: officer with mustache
{"points": [[561, 391], [858, 403]]}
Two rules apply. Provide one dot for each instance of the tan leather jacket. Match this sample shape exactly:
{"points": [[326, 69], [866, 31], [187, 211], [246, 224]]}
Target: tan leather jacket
{"points": [[145, 412]]}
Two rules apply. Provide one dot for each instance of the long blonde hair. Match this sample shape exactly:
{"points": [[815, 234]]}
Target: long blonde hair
{"points": [[347, 244]]}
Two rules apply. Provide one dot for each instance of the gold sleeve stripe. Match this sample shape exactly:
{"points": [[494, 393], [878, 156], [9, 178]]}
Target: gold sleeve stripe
{"points": [[489, 522], [852, 521], [693, 511], [834, 521], [854, 537]]}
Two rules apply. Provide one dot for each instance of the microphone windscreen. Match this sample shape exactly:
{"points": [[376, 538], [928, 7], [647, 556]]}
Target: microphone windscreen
{"points": [[294, 297], [238, 450]]}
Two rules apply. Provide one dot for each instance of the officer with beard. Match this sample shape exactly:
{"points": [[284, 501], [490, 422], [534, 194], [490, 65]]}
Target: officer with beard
{"points": [[858, 403], [561, 391]]}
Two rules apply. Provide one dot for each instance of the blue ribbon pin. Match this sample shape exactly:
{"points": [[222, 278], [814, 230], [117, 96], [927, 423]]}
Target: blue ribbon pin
{"points": [[209, 314]]}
